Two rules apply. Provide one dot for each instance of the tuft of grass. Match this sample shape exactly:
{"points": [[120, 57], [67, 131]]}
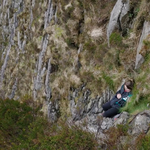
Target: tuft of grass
{"points": [[116, 39], [70, 42], [59, 31], [94, 83], [87, 76], [90, 46], [108, 80], [123, 129]]}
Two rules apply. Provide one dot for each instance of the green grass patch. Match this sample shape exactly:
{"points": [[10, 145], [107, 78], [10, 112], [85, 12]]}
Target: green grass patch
{"points": [[134, 107], [116, 39]]}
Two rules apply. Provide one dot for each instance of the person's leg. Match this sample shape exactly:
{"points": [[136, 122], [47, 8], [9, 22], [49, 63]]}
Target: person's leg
{"points": [[106, 106], [111, 112]]}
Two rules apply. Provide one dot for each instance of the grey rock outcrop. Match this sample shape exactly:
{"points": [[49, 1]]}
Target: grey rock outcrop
{"points": [[113, 122], [140, 123], [122, 119], [87, 111], [145, 33], [82, 105], [40, 67], [14, 88], [120, 9]]}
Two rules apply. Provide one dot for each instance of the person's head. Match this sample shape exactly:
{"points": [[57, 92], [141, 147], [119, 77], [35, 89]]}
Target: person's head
{"points": [[129, 84]]}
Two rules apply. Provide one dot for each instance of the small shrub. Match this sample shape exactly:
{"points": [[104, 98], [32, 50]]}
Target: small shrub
{"points": [[142, 142], [123, 129], [72, 138], [113, 137], [145, 143], [14, 116], [20, 129], [114, 134]]}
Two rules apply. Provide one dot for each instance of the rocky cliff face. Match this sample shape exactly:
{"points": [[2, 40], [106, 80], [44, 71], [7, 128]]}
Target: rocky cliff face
{"points": [[56, 53]]}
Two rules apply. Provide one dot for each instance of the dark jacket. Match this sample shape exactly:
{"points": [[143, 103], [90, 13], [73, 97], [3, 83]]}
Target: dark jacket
{"points": [[117, 103]]}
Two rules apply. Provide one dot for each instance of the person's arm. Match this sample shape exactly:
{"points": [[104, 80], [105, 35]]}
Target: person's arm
{"points": [[118, 93]]}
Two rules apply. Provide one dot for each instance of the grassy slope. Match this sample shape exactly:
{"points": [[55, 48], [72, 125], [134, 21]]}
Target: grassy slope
{"points": [[103, 66]]}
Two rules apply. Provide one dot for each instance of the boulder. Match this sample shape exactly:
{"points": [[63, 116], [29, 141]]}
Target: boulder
{"points": [[140, 123]]}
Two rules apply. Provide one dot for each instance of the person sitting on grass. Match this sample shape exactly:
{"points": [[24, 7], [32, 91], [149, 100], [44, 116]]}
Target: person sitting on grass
{"points": [[119, 100]]}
